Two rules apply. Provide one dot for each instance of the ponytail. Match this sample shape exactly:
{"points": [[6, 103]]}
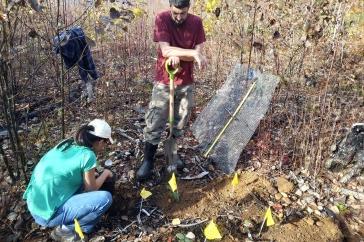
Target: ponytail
{"points": [[85, 138]]}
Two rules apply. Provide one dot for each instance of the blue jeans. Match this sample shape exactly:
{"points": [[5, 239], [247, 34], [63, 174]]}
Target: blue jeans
{"points": [[87, 208]]}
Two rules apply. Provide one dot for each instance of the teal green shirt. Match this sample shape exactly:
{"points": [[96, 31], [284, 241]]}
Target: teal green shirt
{"points": [[57, 176]]}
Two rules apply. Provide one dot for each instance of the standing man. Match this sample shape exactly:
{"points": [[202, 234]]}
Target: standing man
{"points": [[180, 36]]}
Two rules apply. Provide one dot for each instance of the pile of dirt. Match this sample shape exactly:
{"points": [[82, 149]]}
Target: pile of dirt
{"points": [[231, 208]]}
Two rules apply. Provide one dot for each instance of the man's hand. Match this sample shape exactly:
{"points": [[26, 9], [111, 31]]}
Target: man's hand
{"points": [[201, 60], [173, 61]]}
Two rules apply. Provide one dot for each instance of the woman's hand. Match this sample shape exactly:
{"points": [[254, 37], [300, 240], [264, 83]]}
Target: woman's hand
{"points": [[91, 183], [108, 173]]}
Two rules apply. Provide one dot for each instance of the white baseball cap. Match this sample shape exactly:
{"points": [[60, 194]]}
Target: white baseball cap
{"points": [[102, 129]]}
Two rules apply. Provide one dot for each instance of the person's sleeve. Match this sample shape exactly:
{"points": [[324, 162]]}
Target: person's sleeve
{"points": [[200, 33], [161, 33], [89, 161]]}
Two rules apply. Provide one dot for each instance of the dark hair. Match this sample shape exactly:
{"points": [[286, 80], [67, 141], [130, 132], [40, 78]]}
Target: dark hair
{"points": [[84, 138], [179, 3]]}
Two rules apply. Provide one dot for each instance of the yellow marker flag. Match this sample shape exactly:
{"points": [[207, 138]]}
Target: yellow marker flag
{"points": [[235, 180], [211, 231], [268, 217], [78, 229], [173, 183], [137, 12], [176, 221], [145, 193]]}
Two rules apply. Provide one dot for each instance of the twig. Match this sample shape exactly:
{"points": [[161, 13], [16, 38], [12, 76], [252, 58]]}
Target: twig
{"points": [[198, 176], [140, 210], [122, 133], [190, 225]]}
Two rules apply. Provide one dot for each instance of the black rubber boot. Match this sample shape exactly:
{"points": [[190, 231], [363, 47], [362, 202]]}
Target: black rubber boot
{"points": [[180, 163], [145, 170]]}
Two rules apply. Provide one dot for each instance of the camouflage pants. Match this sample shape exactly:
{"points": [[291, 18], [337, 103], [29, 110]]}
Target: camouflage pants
{"points": [[157, 114]]}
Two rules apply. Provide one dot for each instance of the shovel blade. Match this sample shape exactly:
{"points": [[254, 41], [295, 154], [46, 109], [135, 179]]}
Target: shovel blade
{"points": [[170, 151]]}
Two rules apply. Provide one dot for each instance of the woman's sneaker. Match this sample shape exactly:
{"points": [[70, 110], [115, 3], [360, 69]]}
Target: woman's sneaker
{"points": [[59, 234]]}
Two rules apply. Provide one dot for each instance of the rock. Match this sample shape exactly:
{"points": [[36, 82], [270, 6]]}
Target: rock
{"points": [[272, 190], [310, 221], [278, 196], [335, 209], [211, 167], [313, 206], [9, 180], [319, 224], [284, 194], [131, 174], [314, 193], [284, 185], [12, 216], [190, 236], [286, 200], [97, 239], [349, 153], [304, 187], [298, 192], [108, 163], [304, 172], [19, 223], [257, 165], [309, 210], [100, 169], [308, 199], [317, 212], [18, 208], [163, 230], [35, 226], [351, 200]]}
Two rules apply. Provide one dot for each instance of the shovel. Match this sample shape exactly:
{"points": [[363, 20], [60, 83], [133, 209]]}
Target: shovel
{"points": [[170, 142]]}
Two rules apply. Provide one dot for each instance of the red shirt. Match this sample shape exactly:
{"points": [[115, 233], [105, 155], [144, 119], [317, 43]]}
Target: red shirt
{"points": [[187, 35]]}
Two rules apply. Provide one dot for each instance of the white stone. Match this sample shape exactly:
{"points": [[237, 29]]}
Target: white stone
{"points": [[108, 163], [298, 192], [190, 236], [304, 187], [12, 216]]}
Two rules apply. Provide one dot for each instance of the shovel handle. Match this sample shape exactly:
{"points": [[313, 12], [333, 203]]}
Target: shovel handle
{"points": [[171, 73]]}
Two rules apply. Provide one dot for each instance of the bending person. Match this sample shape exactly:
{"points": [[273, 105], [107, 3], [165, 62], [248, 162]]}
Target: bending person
{"points": [[64, 187]]}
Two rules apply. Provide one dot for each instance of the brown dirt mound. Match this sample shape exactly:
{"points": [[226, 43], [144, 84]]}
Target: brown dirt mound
{"points": [[229, 207]]}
